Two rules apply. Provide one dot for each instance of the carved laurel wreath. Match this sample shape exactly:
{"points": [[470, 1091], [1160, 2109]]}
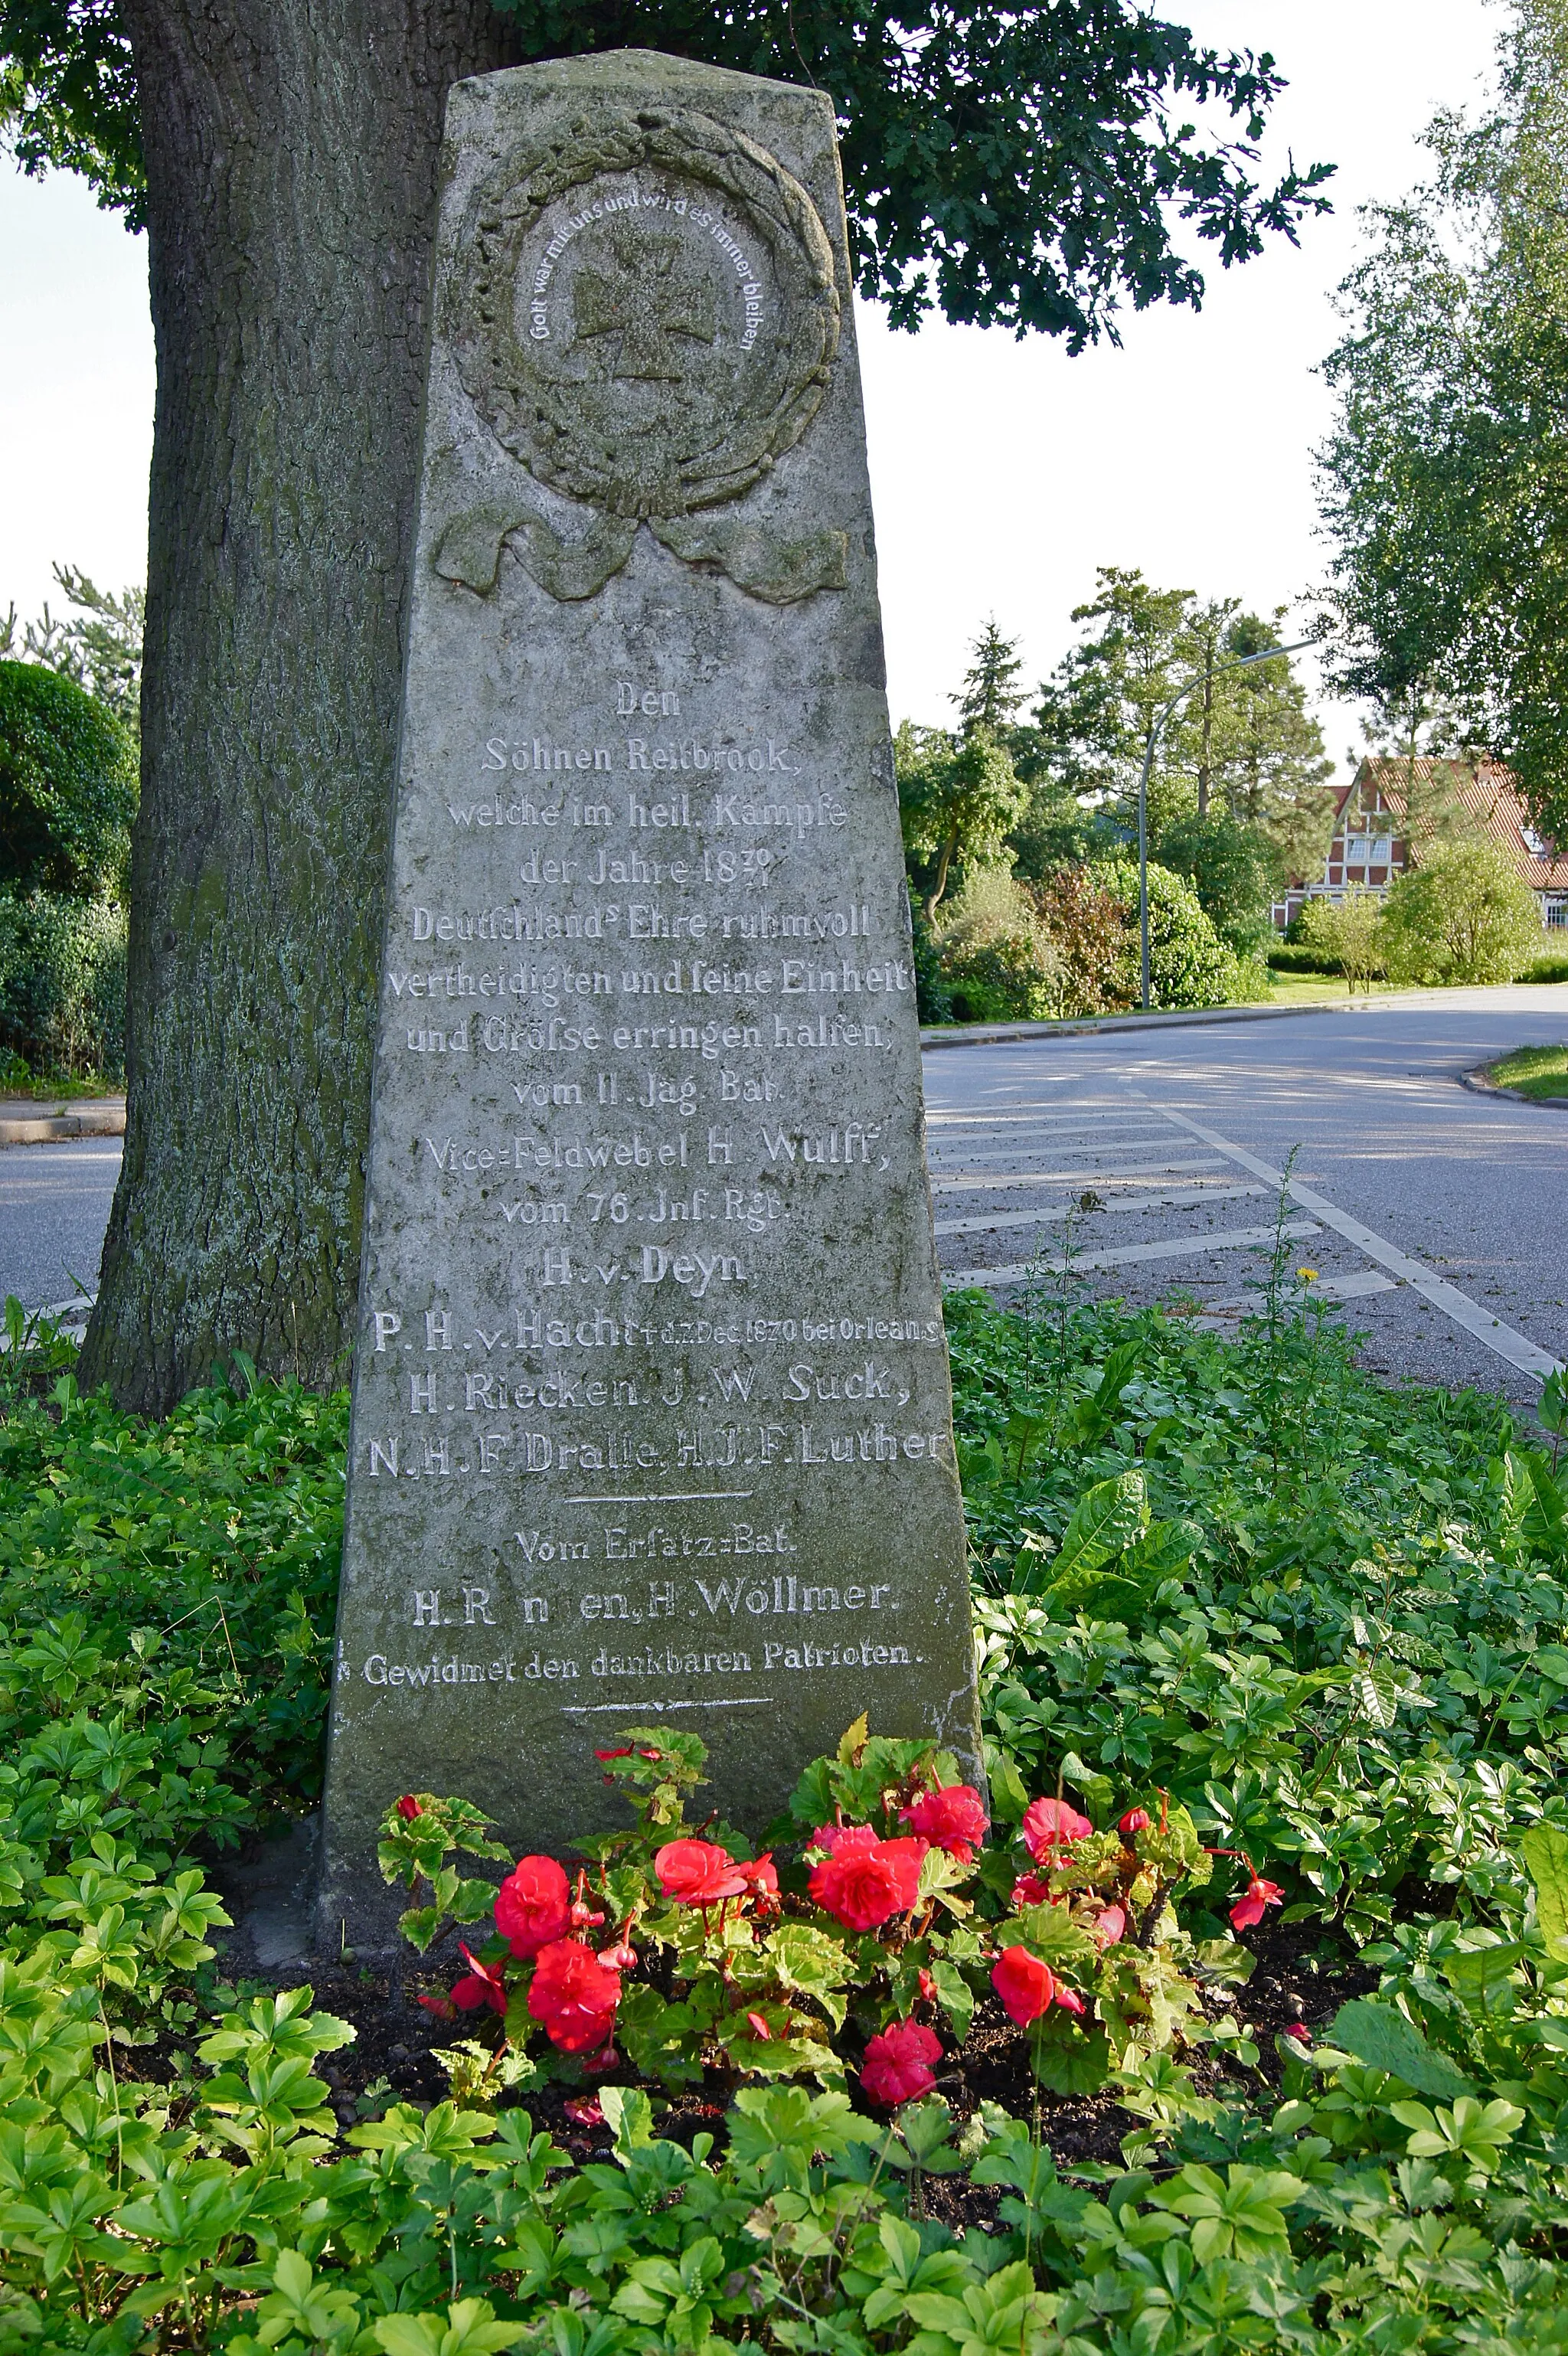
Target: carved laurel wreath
{"points": [[586, 443]]}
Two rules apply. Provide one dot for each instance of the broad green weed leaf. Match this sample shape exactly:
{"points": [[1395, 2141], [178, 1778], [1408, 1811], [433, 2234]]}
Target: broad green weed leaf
{"points": [[1546, 1853], [1384, 2039], [1107, 1520]]}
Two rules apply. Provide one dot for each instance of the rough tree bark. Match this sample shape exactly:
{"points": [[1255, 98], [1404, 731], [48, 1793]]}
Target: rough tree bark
{"points": [[292, 155]]}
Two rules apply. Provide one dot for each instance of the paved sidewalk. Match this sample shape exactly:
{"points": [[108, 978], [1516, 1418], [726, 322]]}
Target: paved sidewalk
{"points": [[994, 1034], [32, 1120]]}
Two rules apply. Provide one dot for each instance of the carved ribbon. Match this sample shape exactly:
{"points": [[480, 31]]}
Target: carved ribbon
{"points": [[777, 567]]}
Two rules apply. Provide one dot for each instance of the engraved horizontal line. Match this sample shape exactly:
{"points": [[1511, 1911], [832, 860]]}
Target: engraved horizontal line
{"points": [[1188, 1247], [611, 1708], [667, 1497]]}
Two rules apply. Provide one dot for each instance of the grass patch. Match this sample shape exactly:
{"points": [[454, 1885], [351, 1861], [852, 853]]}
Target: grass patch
{"points": [[1541, 1072]]}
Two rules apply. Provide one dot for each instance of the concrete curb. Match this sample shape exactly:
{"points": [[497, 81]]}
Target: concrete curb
{"points": [[94, 1117], [983, 1034], [1482, 1082]]}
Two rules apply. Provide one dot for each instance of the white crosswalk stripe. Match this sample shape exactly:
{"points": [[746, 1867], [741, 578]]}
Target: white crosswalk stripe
{"points": [[1189, 1199], [1184, 1248], [1115, 1157]]}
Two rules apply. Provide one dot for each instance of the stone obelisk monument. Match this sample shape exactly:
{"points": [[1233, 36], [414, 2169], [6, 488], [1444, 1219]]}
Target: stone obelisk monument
{"points": [[651, 1408]]}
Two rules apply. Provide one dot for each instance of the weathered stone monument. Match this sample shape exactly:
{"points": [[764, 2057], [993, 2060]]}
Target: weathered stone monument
{"points": [[651, 1408]]}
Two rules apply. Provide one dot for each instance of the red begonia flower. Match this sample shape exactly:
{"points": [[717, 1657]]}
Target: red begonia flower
{"points": [[862, 1886], [409, 1809], [898, 2063], [1025, 1985], [927, 1986], [698, 1872], [1109, 1926], [533, 1905], [482, 1985], [573, 1996], [1299, 2029], [952, 1818], [585, 2111], [1257, 1895], [757, 2025], [761, 1875], [833, 1837], [621, 1957], [626, 1751], [1031, 1889], [1051, 1825], [1137, 1820], [1069, 1999]]}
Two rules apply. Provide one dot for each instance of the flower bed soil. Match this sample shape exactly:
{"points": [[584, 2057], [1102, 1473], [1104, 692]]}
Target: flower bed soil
{"points": [[393, 2057]]}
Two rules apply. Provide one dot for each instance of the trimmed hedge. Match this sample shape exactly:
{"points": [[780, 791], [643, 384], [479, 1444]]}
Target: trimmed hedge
{"points": [[62, 984], [1284, 957], [68, 786]]}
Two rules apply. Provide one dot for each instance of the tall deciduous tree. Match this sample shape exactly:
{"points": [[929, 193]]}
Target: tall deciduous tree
{"points": [[958, 796], [1018, 166], [1444, 481]]}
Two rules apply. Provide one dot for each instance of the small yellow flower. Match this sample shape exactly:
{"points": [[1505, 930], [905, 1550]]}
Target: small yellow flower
{"points": [[1307, 1275]]}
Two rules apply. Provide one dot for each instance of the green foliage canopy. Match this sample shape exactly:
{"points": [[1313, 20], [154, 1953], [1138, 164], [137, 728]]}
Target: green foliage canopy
{"points": [[1190, 965], [68, 785], [1465, 914], [1015, 167], [1242, 738], [957, 797], [99, 646], [1444, 483], [1233, 869]]}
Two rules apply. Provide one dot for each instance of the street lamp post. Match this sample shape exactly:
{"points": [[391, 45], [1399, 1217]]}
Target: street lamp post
{"points": [[1264, 654]]}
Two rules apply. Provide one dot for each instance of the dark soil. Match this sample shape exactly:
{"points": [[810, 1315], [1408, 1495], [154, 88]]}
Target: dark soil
{"points": [[1298, 1979]]}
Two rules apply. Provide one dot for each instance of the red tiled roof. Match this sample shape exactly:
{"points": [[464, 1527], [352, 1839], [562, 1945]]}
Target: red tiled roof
{"points": [[1486, 789]]}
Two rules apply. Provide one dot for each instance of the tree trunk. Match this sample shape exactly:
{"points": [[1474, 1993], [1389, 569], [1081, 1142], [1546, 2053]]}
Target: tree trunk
{"points": [[292, 155], [940, 885]]}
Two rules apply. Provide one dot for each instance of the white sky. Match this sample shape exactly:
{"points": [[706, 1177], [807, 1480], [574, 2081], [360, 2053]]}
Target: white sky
{"points": [[1003, 472]]}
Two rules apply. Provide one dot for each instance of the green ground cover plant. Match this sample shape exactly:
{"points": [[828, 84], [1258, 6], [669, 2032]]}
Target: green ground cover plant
{"points": [[1233, 1587], [1534, 1071]]}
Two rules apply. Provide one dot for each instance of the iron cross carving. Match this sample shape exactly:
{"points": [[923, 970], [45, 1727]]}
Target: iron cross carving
{"points": [[651, 292]]}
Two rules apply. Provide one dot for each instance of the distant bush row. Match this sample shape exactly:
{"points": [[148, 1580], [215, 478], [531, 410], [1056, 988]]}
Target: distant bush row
{"points": [[68, 793]]}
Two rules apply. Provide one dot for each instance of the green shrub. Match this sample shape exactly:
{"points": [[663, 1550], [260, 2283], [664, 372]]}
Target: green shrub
{"points": [[931, 998], [221, 1525], [1234, 869], [1349, 932], [62, 983], [1545, 969], [1287, 957], [68, 787], [1190, 965], [1465, 914], [997, 961], [1084, 915]]}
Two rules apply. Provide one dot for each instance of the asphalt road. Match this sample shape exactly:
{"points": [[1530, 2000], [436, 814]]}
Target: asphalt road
{"points": [[1437, 1218], [54, 1208], [1435, 1215]]}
